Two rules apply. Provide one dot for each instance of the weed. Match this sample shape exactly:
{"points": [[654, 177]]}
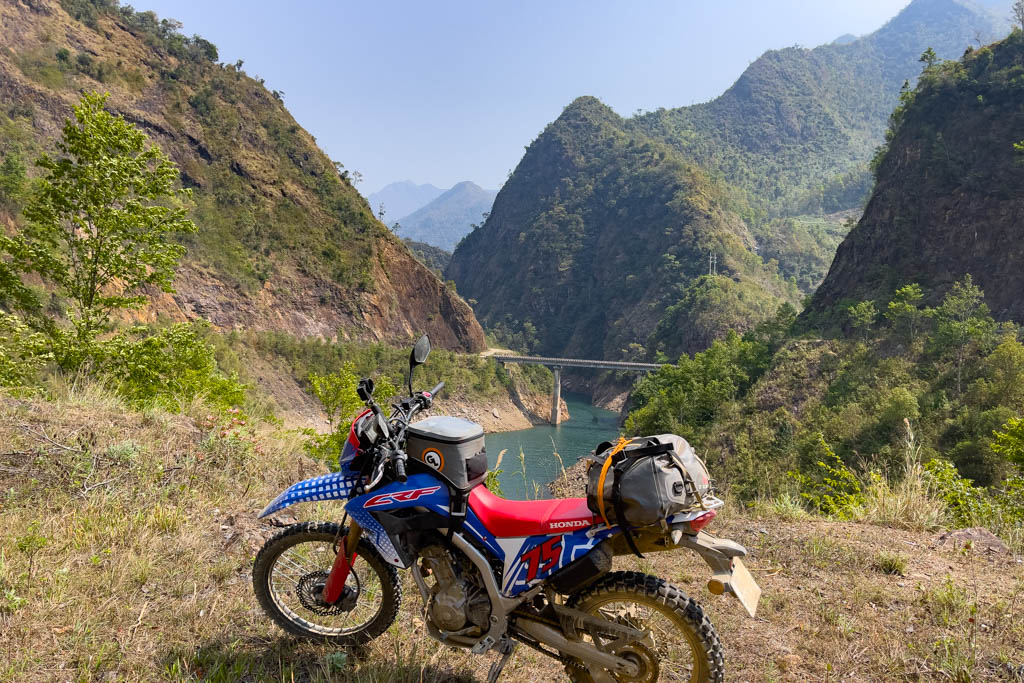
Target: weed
{"points": [[832, 616], [30, 544], [955, 657], [908, 504], [889, 562], [785, 507], [948, 603], [491, 481], [824, 552], [10, 601]]}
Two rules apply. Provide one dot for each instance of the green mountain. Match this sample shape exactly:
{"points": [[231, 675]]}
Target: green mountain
{"points": [[402, 198], [601, 239], [949, 191], [602, 236], [285, 241], [449, 217], [910, 350], [432, 257], [795, 132]]}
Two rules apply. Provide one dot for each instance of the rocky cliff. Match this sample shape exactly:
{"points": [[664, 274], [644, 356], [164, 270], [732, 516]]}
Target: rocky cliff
{"points": [[949, 197], [285, 241]]}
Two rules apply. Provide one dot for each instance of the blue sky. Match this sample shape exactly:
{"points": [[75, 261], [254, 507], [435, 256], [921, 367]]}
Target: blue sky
{"points": [[447, 91]]}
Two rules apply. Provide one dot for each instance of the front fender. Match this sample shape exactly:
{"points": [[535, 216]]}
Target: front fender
{"points": [[333, 486]]}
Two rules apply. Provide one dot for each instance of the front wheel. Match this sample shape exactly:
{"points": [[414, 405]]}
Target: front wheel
{"points": [[681, 644], [289, 574]]}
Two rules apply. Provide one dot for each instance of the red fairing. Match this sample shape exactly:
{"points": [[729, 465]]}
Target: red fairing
{"points": [[512, 518]]}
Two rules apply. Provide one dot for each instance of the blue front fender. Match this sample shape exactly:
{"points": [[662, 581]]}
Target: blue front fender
{"points": [[333, 486]]}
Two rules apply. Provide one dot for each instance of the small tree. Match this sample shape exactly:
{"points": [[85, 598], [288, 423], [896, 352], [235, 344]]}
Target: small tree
{"points": [[337, 394], [1018, 12], [961, 320], [99, 222], [862, 316], [12, 179], [929, 58], [903, 311]]}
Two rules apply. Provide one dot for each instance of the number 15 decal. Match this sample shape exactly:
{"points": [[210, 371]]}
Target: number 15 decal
{"points": [[542, 558]]}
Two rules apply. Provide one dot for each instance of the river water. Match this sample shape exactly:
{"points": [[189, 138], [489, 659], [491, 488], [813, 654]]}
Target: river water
{"points": [[587, 427]]}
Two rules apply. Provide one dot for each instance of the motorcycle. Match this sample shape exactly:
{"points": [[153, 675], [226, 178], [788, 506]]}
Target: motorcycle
{"points": [[492, 573]]}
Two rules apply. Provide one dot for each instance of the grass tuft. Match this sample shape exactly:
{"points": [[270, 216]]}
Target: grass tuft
{"points": [[891, 563]]}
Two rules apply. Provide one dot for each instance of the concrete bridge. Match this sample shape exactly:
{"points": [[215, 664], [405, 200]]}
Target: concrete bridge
{"points": [[556, 365]]}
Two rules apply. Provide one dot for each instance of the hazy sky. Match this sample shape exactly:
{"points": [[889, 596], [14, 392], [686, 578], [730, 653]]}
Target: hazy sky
{"points": [[446, 91]]}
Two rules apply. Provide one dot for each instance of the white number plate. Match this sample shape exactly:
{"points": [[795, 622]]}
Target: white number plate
{"points": [[744, 587]]}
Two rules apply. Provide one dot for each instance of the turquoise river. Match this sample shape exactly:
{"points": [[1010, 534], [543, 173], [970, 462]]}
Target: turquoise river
{"points": [[572, 440]]}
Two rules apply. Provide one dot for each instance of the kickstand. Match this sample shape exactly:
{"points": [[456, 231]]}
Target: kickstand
{"points": [[505, 647]]}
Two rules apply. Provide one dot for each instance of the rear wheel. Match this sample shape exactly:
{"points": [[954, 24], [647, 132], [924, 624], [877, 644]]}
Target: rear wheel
{"points": [[291, 570], [682, 644]]}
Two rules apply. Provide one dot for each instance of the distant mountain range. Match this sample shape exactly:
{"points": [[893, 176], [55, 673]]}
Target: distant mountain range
{"points": [[402, 198], [450, 217]]}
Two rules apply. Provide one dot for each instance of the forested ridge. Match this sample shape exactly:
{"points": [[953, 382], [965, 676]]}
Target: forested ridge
{"points": [[622, 233], [908, 363], [630, 237]]}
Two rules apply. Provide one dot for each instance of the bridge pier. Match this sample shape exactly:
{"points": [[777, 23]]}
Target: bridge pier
{"points": [[556, 396]]}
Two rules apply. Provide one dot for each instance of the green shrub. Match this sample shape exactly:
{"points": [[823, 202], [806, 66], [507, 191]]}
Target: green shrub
{"points": [[336, 392], [966, 503], [170, 368], [834, 489], [22, 351], [1010, 443]]}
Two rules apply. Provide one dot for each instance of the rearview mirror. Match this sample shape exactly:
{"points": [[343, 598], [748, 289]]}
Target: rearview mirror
{"points": [[365, 389], [420, 352], [418, 357]]}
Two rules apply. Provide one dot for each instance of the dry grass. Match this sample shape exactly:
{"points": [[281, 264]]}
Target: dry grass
{"points": [[908, 504], [128, 540]]}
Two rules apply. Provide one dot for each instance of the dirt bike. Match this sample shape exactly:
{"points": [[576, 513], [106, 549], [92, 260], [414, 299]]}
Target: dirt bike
{"points": [[492, 573]]}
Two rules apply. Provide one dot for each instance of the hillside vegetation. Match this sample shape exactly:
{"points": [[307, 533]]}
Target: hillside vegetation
{"points": [[285, 240], [614, 224], [948, 196], [921, 380], [615, 249]]}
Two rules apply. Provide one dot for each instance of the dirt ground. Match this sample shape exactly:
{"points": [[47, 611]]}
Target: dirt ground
{"points": [[127, 540]]}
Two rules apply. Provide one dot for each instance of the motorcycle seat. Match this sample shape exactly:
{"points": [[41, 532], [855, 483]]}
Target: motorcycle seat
{"points": [[517, 518]]}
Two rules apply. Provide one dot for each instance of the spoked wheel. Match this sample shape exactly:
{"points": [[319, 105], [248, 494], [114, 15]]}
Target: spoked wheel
{"points": [[289, 575], [680, 645]]}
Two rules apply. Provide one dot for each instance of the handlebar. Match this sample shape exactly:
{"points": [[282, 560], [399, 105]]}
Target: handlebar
{"points": [[436, 390], [399, 461]]}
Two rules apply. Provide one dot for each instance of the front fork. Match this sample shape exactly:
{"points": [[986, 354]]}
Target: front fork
{"points": [[342, 565]]}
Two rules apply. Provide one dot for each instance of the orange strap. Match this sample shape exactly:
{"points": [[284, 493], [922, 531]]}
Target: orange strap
{"points": [[604, 473]]}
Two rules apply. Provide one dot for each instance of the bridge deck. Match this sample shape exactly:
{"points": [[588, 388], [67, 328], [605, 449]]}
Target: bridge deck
{"points": [[577, 363]]}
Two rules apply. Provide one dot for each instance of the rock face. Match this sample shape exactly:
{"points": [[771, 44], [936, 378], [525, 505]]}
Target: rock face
{"points": [[949, 198], [285, 241]]}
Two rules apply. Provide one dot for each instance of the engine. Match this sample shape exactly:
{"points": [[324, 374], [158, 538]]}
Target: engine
{"points": [[458, 600]]}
